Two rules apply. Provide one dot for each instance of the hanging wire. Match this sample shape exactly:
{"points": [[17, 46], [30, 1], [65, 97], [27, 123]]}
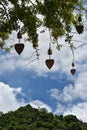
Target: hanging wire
{"points": [[34, 54], [59, 45], [50, 38], [81, 45]]}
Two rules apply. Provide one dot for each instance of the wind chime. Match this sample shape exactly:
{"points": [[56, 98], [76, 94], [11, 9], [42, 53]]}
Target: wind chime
{"points": [[49, 62], [79, 26], [73, 70], [19, 46], [79, 29]]}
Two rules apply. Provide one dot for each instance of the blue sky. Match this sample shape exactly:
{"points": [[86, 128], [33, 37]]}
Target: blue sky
{"points": [[57, 90]]}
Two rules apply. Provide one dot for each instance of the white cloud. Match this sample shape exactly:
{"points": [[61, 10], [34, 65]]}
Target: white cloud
{"points": [[8, 100], [79, 109], [72, 99], [59, 109], [81, 86], [65, 95], [72, 92], [39, 104]]}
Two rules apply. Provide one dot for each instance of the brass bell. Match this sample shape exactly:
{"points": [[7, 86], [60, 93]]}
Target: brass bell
{"points": [[49, 51], [19, 35], [79, 18]]}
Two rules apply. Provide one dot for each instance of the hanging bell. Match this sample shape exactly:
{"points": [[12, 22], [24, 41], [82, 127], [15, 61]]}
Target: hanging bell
{"points": [[49, 51], [19, 35], [73, 64], [79, 19], [19, 48], [79, 28], [49, 63], [73, 71]]}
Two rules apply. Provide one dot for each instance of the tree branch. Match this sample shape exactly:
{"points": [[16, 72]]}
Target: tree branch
{"points": [[5, 10]]}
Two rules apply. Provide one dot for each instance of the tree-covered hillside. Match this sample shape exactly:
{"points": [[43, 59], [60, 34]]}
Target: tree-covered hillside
{"points": [[28, 118]]}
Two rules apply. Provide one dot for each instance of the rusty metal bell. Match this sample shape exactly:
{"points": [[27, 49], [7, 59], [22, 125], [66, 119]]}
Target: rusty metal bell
{"points": [[49, 63], [73, 71], [19, 48]]}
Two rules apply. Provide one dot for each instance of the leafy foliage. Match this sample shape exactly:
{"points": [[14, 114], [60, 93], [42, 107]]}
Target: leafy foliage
{"points": [[55, 15], [28, 118]]}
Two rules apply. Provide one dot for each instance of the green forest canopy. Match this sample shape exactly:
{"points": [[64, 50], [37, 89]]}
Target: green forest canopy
{"points": [[28, 118], [26, 16]]}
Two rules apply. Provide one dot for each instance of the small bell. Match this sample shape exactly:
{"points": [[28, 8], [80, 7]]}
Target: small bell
{"points": [[19, 35], [73, 64], [79, 19], [49, 51]]}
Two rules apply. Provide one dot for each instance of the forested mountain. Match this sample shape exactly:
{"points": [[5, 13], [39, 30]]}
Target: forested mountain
{"points": [[28, 118]]}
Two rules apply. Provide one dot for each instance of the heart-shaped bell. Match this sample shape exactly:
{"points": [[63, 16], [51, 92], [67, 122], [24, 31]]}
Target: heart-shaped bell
{"points": [[79, 28], [73, 71], [49, 63], [19, 48]]}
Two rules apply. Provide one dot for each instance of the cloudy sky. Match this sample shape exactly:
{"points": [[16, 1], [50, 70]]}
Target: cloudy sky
{"points": [[26, 80]]}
